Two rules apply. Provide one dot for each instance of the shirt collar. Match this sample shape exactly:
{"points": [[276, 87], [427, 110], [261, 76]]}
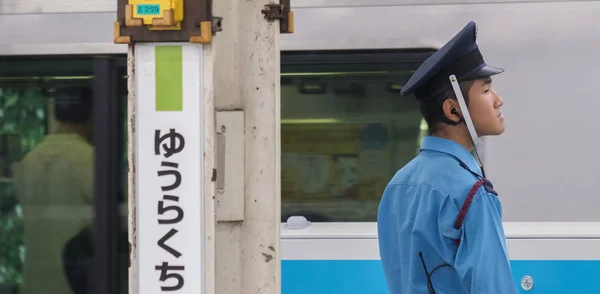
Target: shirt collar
{"points": [[452, 148]]}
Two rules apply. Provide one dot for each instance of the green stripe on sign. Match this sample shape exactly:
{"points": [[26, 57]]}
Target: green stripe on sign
{"points": [[169, 85]]}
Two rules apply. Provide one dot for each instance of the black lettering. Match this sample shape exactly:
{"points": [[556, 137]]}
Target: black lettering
{"points": [[175, 173], [171, 197], [171, 143], [169, 164], [162, 209], [164, 239], [165, 275], [176, 143]]}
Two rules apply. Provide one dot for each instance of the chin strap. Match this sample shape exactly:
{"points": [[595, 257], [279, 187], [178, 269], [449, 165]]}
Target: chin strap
{"points": [[467, 119]]}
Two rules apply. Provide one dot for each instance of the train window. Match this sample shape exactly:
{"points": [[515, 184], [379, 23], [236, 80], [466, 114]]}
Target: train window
{"points": [[345, 131], [47, 174]]}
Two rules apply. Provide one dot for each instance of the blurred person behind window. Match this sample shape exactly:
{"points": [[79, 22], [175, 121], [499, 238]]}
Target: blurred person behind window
{"points": [[55, 184]]}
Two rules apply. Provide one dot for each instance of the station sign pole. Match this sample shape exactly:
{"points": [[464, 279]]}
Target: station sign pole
{"points": [[203, 144], [170, 111]]}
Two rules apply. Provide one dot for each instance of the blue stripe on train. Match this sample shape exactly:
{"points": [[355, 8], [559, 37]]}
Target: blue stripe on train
{"points": [[366, 276]]}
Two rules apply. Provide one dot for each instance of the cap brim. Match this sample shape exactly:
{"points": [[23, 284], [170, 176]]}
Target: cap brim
{"points": [[486, 71]]}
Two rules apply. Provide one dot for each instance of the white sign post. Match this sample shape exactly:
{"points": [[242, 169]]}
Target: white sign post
{"points": [[169, 120]]}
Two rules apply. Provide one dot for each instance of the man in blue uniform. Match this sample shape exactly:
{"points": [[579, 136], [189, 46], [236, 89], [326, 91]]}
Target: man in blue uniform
{"points": [[439, 220]]}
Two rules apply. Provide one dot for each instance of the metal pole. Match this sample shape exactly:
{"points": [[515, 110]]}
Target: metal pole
{"points": [[247, 98], [200, 177], [171, 144], [131, 200]]}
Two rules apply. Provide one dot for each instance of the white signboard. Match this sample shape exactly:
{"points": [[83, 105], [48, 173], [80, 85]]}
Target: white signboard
{"points": [[169, 168]]}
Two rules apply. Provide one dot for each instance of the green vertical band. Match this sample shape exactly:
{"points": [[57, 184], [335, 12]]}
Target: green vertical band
{"points": [[169, 85]]}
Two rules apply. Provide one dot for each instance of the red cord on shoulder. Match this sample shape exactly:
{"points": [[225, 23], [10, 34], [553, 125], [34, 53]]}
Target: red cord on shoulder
{"points": [[465, 207]]}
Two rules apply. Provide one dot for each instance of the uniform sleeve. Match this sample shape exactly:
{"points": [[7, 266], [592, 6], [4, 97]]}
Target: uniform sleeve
{"points": [[482, 259]]}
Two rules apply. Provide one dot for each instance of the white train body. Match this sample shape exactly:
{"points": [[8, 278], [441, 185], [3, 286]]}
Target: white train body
{"points": [[545, 166]]}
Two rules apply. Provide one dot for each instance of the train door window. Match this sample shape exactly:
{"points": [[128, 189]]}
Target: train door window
{"points": [[345, 130], [48, 175]]}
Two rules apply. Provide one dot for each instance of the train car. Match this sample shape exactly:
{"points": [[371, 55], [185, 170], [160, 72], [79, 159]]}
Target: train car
{"points": [[542, 166], [346, 130]]}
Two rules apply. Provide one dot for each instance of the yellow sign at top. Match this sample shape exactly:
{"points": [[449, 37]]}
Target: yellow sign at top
{"points": [[156, 14]]}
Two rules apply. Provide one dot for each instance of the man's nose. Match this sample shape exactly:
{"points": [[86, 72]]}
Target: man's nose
{"points": [[499, 100]]}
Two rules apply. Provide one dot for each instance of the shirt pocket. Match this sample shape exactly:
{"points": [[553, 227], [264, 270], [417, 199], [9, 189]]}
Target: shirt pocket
{"points": [[450, 236]]}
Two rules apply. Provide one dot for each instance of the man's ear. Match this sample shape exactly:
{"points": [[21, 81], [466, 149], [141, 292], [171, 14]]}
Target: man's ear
{"points": [[451, 110]]}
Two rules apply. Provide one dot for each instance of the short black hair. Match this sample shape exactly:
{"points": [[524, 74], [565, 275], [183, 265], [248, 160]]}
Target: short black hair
{"points": [[73, 104], [432, 111]]}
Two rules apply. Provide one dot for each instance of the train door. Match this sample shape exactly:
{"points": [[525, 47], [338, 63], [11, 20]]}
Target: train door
{"points": [[61, 179], [345, 131]]}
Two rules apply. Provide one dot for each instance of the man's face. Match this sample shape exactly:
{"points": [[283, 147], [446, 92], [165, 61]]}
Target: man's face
{"points": [[484, 108]]}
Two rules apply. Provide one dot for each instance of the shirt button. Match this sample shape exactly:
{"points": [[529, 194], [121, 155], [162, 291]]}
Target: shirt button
{"points": [[447, 231]]}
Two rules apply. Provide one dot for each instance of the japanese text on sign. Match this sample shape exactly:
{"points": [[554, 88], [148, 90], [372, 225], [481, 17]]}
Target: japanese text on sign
{"points": [[170, 274]]}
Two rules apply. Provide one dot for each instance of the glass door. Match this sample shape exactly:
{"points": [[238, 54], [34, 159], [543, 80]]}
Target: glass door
{"points": [[61, 176]]}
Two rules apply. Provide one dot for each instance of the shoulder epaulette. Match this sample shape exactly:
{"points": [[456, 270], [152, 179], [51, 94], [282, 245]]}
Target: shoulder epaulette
{"points": [[487, 184], [465, 207], [481, 181]]}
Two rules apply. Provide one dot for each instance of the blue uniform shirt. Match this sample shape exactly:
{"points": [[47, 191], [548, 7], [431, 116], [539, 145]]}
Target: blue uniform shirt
{"points": [[417, 214]]}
